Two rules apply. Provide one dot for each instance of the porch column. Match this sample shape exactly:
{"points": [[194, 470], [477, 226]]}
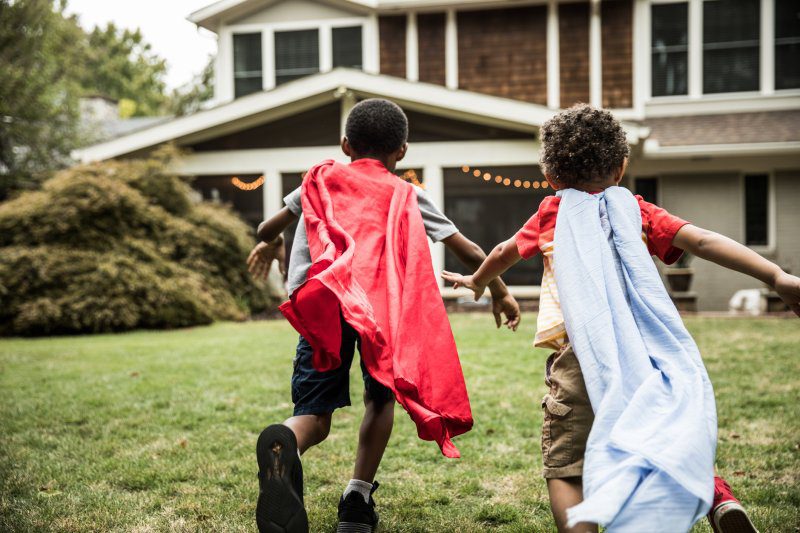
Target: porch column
{"points": [[272, 192], [434, 186]]}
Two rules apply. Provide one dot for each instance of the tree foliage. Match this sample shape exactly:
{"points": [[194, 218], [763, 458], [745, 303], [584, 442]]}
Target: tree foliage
{"points": [[121, 245]]}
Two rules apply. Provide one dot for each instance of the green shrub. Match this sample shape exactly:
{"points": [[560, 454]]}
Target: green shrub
{"points": [[117, 246]]}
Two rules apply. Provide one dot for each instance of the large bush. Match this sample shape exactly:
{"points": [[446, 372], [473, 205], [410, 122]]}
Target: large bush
{"points": [[120, 245]]}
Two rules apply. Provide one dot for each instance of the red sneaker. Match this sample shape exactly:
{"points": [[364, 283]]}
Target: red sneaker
{"points": [[727, 514]]}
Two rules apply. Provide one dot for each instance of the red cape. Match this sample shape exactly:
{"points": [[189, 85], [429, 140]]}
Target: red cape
{"points": [[372, 264]]}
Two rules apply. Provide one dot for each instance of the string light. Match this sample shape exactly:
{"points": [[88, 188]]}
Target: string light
{"points": [[253, 185], [507, 182]]}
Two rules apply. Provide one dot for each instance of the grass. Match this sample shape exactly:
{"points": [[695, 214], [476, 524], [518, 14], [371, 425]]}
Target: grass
{"points": [[155, 431]]}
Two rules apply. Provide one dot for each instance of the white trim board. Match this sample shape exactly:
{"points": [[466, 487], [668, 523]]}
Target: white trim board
{"points": [[316, 90]]}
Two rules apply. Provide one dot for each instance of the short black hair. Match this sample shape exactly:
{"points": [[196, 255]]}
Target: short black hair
{"points": [[376, 127], [582, 144]]}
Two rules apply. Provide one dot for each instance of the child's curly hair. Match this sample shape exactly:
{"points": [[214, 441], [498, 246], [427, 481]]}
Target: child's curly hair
{"points": [[581, 145]]}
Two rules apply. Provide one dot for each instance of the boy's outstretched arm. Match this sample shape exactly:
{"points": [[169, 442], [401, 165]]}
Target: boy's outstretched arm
{"points": [[471, 255], [731, 254], [270, 246]]}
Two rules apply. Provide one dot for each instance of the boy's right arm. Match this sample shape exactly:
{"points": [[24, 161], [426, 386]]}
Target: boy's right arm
{"points": [[731, 254], [502, 257], [270, 246]]}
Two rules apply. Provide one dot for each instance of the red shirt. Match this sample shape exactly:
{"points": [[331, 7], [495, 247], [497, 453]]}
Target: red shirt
{"points": [[658, 227]]}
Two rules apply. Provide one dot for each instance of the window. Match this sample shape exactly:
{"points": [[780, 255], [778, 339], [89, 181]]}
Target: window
{"points": [[647, 188], [670, 51], [730, 45], [756, 210], [347, 47], [787, 44], [296, 54], [247, 70]]}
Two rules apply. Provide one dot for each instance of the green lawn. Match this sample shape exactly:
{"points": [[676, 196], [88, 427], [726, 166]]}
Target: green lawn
{"points": [[156, 431]]}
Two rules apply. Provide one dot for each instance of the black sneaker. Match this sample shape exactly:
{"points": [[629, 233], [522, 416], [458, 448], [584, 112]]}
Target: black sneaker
{"points": [[356, 515], [280, 478]]}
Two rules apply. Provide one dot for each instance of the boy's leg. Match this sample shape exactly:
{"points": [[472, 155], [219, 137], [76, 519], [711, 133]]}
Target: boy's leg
{"points": [[309, 430], [565, 493], [568, 418]]}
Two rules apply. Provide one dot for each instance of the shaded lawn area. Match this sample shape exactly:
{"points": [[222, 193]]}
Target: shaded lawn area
{"points": [[156, 431]]}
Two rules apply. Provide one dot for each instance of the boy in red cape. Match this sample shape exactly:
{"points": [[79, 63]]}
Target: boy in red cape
{"points": [[360, 273]]}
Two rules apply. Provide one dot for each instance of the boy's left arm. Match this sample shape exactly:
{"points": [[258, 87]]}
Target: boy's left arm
{"points": [[731, 254], [471, 255]]}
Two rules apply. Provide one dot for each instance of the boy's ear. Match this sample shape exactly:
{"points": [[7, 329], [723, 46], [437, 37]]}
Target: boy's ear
{"points": [[401, 153], [551, 181], [621, 171], [346, 147]]}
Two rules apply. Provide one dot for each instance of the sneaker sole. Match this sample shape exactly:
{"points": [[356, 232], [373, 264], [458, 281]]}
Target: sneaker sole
{"points": [[279, 509], [732, 518], [354, 527]]}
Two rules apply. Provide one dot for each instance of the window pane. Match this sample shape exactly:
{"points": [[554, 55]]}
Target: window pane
{"points": [[347, 47], [296, 54], [730, 45], [246, 63], [670, 34], [756, 209], [647, 188], [787, 44]]}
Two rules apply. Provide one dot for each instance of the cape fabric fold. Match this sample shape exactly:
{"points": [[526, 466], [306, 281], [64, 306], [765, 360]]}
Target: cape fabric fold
{"points": [[650, 455], [372, 265]]}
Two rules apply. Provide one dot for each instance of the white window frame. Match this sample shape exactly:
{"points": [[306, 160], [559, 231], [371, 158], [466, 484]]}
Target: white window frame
{"points": [[695, 60], [369, 42], [772, 226]]}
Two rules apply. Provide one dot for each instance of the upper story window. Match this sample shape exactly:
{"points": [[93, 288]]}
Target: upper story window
{"points": [[670, 49], [247, 66], [347, 47], [296, 54], [787, 44], [730, 45]]}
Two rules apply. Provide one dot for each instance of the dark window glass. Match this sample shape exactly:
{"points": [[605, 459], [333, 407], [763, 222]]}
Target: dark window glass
{"points": [[756, 201], [647, 188], [787, 44], [247, 70], [670, 56], [296, 54], [347, 47], [730, 45]]}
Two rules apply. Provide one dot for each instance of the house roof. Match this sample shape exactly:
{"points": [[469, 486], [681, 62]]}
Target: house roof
{"points": [[314, 91], [212, 15]]}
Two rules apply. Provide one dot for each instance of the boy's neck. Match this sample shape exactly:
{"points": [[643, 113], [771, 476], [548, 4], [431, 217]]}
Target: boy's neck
{"points": [[384, 160], [595, 186]]}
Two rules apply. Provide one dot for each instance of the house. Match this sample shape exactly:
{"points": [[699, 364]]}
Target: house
{"points": [[708, 92]]}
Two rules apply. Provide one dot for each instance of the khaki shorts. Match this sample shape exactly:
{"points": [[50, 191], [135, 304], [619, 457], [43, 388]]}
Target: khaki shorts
{"points": [[568, 416]]}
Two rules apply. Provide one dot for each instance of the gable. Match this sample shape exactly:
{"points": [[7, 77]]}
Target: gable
{"points": [[294, 11]]}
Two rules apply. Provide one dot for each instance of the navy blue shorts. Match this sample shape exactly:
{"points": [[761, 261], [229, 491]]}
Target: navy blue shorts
{"points": [[317, 393]]}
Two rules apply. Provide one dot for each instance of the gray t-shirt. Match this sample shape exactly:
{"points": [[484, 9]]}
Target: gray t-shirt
{"points": [[437, 226]]}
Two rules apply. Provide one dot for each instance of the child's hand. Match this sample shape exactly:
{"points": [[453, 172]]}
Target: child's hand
{"points": [[788, 288], [260, 259], [464, 281], [506, 305]]}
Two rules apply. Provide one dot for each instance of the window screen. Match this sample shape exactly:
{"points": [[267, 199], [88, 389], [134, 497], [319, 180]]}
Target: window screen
{"points": [[296, 54], [247, 70], [347, 47], [756, 202], [647, 188], [670, 56], [787, 44], [730, 45]]}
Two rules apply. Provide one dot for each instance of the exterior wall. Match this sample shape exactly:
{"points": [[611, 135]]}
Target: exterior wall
{"points": [[573, 32], [617, 53], [392, 37], [504, 52], [716, 202], [787, 220], [430, 29], [294, 11]]}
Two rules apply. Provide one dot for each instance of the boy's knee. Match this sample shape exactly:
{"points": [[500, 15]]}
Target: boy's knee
{"points": [[378, 400]]}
